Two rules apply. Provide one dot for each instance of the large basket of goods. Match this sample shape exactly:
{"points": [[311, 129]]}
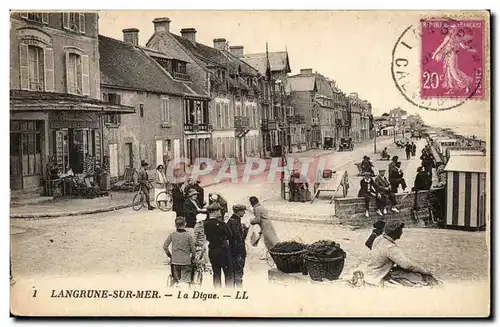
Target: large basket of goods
{"points": [[288, 256], [324, 260]]}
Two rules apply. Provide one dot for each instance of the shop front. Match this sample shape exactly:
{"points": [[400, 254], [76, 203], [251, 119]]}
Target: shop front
{"points": [[51, 133]]}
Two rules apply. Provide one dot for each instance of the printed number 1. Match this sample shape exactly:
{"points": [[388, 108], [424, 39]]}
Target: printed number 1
{"points": [[431, 80], [34, 293]]}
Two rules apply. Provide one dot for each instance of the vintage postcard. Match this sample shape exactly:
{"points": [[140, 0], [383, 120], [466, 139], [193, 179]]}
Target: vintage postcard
{"points": [[250, 163]]}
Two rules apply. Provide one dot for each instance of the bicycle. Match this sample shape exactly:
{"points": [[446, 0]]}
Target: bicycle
{"points": [[164, 199], [196, 275], [139, 200]]}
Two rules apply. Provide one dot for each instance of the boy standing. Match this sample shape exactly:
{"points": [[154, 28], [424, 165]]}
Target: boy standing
{"points": [[183, 252]]}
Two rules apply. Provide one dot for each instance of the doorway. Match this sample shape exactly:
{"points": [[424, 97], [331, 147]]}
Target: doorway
{"points": [[128, 155]]}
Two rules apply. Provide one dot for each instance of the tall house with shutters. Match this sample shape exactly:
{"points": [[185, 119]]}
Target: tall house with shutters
{"points": [[152, 83], [233, 129], [55, 107]]}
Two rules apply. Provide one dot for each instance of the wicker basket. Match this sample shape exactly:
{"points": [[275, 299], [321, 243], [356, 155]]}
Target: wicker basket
{"points": [[328, 268], [291, 262]]}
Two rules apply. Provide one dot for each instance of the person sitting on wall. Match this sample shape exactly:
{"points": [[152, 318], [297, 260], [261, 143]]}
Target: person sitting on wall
{"points": [[368, 191], [383, 187], [384, 155], [388, 265], [367, 166]]}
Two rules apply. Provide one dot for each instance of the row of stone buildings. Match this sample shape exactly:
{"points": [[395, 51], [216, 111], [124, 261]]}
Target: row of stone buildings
{"points": [[86, 101]]}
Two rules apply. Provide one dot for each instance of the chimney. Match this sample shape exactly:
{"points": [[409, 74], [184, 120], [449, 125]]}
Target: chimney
{"points": [[237, 50], [220, 44], [189, 33], [162, 24], [131, 35], [307, 71]]}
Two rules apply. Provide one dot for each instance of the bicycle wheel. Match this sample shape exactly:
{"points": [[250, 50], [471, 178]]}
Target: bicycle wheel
{"points": [[164, 201], [138, 202]]}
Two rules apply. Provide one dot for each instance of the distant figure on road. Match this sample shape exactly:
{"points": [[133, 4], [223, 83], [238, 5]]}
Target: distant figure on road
{"points": [[413, 149], [408, 149], [384, 155]]}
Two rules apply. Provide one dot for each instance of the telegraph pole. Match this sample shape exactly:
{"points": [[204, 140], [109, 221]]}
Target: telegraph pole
{"points": [[375, 139]]}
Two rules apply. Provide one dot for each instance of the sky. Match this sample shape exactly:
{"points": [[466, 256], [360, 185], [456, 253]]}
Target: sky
{"points": [[354, 48]]}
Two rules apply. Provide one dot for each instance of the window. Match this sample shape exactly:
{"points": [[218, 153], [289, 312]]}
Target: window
{"points": [[165, 110], [74, 22], [74, 76], [226, 118], [40, 17], [218, 115], [35, 66], [115, 99]]}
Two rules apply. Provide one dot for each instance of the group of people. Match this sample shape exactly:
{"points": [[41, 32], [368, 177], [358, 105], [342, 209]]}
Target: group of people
{"points": [[378, 188], [209, 239]]}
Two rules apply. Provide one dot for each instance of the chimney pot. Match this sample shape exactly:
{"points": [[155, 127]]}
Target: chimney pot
{"points": [[220, 44], [307, 71], [189, 33], [162, 24], [237, 50], [131, 35]]}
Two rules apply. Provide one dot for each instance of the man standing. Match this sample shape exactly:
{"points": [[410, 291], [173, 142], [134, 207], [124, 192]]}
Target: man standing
{"points": [[266, 225], [408, 149], [237, 243], [384, 188], [413, 149], [144, 183], [218, 236]]}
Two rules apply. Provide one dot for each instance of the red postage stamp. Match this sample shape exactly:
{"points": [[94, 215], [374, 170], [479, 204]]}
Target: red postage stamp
{"points": [[452, 59]]}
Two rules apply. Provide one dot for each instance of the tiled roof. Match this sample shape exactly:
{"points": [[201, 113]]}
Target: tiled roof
{"points": [[213, 57], [278, 60], [127, 66]]}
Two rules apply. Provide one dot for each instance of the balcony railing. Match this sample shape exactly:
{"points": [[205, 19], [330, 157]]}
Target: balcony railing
{"points": [[181, 76], [241, 122], [198, 127], [269, 124]]}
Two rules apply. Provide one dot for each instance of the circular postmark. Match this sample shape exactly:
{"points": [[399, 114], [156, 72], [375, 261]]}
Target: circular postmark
{"points": [[437, 64]]}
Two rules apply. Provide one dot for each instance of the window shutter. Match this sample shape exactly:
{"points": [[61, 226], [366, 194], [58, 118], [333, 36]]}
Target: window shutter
{"points": [[68, 74], [45, 17], [49, 69], [24, 72], [85, 75], [167, 110], [118, 98], [82, 23], [65, 19], [118, 118]]}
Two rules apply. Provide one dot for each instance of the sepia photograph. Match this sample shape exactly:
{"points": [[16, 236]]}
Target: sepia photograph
{"points": [[250, 163]]}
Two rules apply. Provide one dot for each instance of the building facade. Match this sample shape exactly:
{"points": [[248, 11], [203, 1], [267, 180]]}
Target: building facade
{"points": [[134, 76], [55, 107], [397, 118], [361, 118], [281, 126], [233, 85]]}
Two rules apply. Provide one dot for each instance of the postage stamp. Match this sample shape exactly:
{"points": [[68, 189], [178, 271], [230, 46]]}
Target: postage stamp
{"points": [[452, 58]]}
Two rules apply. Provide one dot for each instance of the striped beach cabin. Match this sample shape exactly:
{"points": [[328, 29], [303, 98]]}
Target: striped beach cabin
{"points": [[466, 191]]}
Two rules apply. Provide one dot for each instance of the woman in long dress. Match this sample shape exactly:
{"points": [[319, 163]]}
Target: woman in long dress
{"points": [[447, 52]]}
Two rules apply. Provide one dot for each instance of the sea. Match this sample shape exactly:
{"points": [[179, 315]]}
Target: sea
{"points": [[479, 130]]}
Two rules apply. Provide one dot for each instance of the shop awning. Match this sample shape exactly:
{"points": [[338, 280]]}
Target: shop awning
{"points": [[26, 101]]}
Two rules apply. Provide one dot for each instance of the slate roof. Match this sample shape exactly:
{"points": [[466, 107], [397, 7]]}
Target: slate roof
{"points": [[127, 66], [213, 57], [278, 60]]}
